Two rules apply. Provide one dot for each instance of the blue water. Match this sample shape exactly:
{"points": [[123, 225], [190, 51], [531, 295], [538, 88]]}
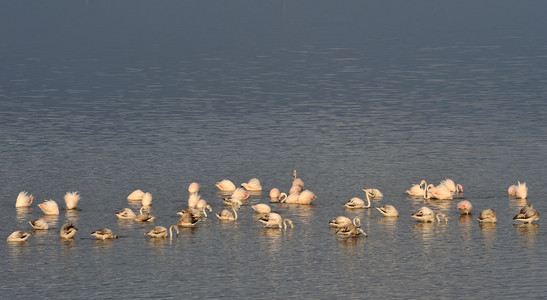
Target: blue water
{"points": [[108, 97]]}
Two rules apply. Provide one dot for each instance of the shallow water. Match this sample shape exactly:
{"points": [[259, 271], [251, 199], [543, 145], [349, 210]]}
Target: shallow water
{"points": [[157, 95]]}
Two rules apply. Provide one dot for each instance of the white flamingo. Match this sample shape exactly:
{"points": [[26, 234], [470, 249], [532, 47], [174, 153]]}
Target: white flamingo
{"points": [[146, 199], [340, 221], [136, 195], [253, 185], [202, 206], [274, 194], [262, 208], [144, 217], [18, 236], [351, 230], [126, 213], [24, 200], [71, 200], [424, 214], [188, 219], [527, 214], [522, 190], [452, 187], [374, 193], [39, 224], [227, 215], [465, 207], [226, 185], [193, 200], [104, 234], [68, 231], [417, 190], [440, 192], [357, 202], [161, 232], [193, 188], [49, 207], [388, 210], [487, 216], [275, 220]]}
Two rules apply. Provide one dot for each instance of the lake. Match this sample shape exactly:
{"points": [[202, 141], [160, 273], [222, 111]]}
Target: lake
{"points": [[107, 97]]}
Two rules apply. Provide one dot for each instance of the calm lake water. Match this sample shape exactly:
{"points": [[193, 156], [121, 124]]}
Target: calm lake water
{"points": [[105, 97]]}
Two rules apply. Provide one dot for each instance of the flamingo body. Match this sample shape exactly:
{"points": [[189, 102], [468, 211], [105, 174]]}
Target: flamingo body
{"points": [[49, 207], [71, 200], [24, 200], [18, 236]]}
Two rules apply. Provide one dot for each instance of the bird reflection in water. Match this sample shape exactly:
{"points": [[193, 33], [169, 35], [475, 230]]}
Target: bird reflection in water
{"points": [[349, 242], [23, 213], [527, 229], [425, 230], [489, 231], [72, 215]]}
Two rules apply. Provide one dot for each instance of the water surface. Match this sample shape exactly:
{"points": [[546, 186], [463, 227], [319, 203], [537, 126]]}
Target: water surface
{"points": [[105, 98]]}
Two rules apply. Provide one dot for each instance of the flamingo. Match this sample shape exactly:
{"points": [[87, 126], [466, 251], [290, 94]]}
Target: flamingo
{"points": [[488, 216], [262, 208], [202, 205], [522, 190], [68, 231], [297, 184], [225, 186], [512, 190], [452, 187], [104, 234], [144, 217], [424, 214], [274, 194], [465, 207], [39, 224], [440, 192], [24, 200], [71, 200], [193, 200], [146, 199], [193, 188], [351, 230], [275, 220], [126, 213], [527, 214], [253, 185], [292, 198], [227, 215], [417, 190], [188, 219], [306, 197], [374, 193], [358, 203], [237, 197], [49, 207], [340, 221], [161, 232], [136, 195], [18, 236], [388, 210]]}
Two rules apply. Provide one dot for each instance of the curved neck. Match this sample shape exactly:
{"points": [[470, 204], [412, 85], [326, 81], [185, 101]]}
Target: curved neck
{"points": [[368, 200], [235, 213], [282, 197], [357, 222], [285, 221], [204, 213], [171, 233]]}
